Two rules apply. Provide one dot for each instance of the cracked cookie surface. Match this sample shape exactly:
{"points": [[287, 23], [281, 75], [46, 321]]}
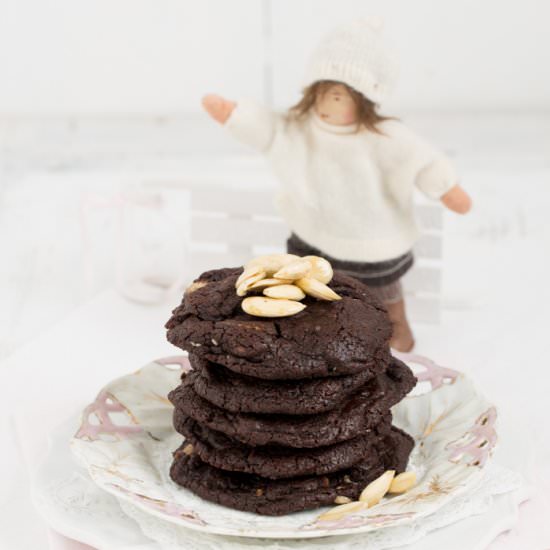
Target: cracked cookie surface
{"points": [[276, 462], [240, 393], [326, 339], [366, 408], [253, 493]]}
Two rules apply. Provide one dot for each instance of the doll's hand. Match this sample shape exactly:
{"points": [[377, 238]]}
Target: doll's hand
{"points": [[217, 107], [457, 200]]}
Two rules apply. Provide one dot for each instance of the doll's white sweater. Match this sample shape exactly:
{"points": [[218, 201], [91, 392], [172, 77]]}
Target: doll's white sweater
{"points": [[345, 191]]}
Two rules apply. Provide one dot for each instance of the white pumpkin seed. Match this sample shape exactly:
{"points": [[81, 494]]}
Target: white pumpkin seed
{"points": [[317, 289], [271, 263], [265, 283], [247, 274], [294, 270], [374, 492], [286, 292], [261, 306], [338, 512], [245, 285], [320, 269], [340, 499], [195, 286], [402, 483]]}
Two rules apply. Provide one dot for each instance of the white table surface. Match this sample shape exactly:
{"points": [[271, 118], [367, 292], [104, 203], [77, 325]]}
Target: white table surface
{"points": [[60, 371], [494, 327], [110, 336]]}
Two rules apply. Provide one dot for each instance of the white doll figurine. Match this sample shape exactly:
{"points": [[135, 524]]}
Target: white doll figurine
{"points": [[348, 173]]}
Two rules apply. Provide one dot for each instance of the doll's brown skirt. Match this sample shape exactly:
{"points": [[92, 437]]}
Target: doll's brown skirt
{"points": [[382, 278]]}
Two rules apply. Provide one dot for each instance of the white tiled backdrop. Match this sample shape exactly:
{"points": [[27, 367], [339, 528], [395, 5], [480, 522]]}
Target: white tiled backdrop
{"points": [[98, 94], [94, 95], [160, 56]]}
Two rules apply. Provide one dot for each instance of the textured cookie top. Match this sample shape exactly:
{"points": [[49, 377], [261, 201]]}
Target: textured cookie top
{"points": [[275, 462], [361, 412], [252, 493], [239, 393], [325, 339]]}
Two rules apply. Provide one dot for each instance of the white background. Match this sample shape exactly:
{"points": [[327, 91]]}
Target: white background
{"points": [[98, 93], [160, 56]]}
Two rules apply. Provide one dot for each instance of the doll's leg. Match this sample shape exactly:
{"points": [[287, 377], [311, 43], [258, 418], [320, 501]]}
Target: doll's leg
{"points": [[392, 297], [390, 294], [402, 338]]}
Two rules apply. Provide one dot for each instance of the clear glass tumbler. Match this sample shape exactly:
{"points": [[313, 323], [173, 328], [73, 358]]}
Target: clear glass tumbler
{"points": [[152, 242]]}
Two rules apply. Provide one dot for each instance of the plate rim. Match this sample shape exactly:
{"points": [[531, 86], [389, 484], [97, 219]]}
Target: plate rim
{"points": [[285, 534], [510, 501]]}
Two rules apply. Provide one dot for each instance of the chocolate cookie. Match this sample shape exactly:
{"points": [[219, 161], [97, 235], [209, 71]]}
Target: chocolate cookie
{"points": [[326, 339], [275, 462], [365, 409], [252, 493], [239, 393]]}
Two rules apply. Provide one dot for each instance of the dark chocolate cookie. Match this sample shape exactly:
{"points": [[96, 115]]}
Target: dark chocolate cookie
{"points": [[365, 409], [239, 393], [252, 493], [326, 339], [275, 462]]}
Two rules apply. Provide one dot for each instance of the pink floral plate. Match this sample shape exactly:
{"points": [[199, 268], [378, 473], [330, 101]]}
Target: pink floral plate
{"points": [[126, 438]]}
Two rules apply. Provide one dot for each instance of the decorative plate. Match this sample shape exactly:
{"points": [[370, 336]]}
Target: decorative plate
{"points": [[126, 438], [72, 504]]}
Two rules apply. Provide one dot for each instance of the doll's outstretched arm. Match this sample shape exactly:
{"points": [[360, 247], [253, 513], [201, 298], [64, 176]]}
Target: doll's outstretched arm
{"points": [[457, 200], [437, 181], [218, 108], [248, 122]]}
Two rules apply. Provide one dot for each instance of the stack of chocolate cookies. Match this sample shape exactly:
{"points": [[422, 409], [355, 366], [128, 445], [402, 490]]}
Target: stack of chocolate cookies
{"points": [[285, 414]]}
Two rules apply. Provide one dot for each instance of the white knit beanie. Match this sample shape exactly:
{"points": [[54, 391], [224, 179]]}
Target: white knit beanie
{"points": [[355, 55]]}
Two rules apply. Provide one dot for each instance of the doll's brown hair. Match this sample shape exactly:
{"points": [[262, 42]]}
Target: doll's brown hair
{"points": [[366, 109]]}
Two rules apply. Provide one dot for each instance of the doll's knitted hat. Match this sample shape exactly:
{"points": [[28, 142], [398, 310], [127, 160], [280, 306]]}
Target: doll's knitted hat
{"points": [[355, 55]]}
